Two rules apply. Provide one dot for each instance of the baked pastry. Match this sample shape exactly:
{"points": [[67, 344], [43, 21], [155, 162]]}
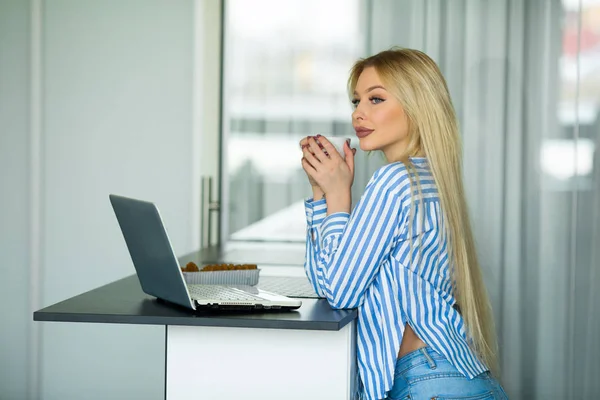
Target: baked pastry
{"points": [[190, 267], [227, 267]]}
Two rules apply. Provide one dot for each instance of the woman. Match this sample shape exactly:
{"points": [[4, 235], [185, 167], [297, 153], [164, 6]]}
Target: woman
{"points": [[405, 256]]}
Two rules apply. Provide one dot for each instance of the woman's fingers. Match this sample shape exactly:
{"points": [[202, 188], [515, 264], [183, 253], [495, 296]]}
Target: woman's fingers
{"points": [[305, 145], [304, 142], [308, 168], [327, 147], [316, 149], [319, 147], [309, 156]]}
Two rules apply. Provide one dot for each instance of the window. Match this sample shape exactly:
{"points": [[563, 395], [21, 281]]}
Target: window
{"points": [[285, 71]]}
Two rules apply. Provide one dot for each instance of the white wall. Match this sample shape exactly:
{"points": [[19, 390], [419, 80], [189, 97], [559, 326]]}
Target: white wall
{"points": [[112, 110], [14, 194]]}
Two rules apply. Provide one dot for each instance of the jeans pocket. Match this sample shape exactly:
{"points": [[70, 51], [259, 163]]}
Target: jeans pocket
{"points": [[407, 397], [483, 396], [502, 393]]}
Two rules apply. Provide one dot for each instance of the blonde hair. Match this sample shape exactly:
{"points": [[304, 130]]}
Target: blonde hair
{"points": [[418, 84]]}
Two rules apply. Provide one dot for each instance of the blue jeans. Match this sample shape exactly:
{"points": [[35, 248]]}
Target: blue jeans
{"points": [[425, 374]]}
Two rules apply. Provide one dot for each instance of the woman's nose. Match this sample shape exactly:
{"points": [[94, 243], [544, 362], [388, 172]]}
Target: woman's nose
{"points": [[358, 114]]}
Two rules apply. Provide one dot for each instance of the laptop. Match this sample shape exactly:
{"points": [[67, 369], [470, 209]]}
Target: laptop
{"points": [[291, 286], [159, 272]]}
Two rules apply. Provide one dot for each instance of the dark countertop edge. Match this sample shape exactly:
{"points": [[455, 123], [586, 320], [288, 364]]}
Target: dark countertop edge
{"points": [[193, 321]]}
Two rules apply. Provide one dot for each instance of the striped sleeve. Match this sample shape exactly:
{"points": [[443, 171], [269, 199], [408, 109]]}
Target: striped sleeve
{"points": [[316, 211], [349, 249]]}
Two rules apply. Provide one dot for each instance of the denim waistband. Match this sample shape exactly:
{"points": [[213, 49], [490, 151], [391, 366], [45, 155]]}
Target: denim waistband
{"points": [[417, 357]]}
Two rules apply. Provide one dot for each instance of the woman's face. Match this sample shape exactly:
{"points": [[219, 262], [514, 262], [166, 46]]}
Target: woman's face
{"points": [[378, 118]]}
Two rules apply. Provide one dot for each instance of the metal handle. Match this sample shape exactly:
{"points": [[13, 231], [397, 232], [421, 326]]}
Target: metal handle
{"points": [[208, 207]]}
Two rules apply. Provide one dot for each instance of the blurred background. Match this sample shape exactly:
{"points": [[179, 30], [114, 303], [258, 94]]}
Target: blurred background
{"points": [[146, 97]]}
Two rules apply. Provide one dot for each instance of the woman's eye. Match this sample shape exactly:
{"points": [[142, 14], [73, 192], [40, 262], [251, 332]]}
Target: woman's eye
{"points": [[373, 100]]}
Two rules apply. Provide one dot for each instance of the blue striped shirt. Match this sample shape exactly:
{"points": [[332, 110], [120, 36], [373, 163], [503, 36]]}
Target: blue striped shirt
{"points": [[362, 260]]}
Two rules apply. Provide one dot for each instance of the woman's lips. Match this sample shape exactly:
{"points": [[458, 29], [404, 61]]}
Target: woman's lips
{"points": [[362, 132]]}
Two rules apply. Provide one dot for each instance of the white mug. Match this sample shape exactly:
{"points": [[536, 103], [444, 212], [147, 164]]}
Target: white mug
{"points": [[338, 143]]}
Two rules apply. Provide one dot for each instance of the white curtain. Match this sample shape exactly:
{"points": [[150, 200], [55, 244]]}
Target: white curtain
{"points": [[534, 197]]}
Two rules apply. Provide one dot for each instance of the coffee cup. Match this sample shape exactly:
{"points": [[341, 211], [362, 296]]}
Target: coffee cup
{"points": [[338, 143]]}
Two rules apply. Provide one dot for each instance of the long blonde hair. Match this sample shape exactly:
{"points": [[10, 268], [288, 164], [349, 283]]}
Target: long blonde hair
{"points": [[418, 84]]}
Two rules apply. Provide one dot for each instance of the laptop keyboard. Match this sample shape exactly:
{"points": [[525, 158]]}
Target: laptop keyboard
{"points": [[290, 286], [220, 293]]}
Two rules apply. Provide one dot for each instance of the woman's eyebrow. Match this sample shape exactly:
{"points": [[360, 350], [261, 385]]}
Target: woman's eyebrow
{"points": [[371, 88]]}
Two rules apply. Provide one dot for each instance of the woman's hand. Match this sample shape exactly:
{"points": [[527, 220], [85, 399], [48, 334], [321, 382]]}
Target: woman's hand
{"points": [[304, 145], [332, 174]]}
